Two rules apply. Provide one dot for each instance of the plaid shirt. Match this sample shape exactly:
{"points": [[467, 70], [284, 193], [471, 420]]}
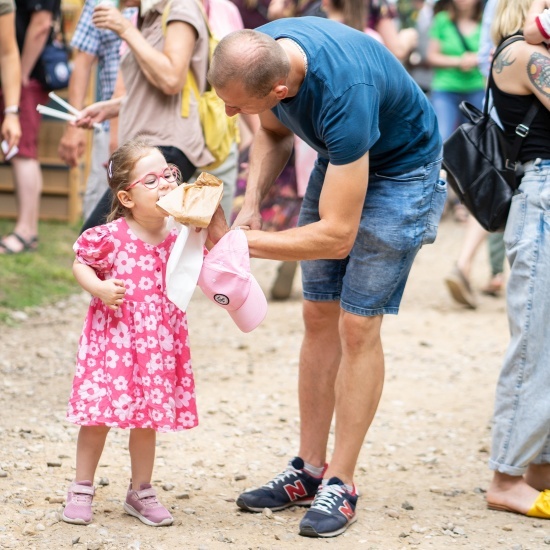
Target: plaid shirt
{"points": [[104, 44]]}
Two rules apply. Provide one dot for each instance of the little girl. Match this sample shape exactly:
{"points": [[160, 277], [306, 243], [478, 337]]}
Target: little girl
{"points": [[133, 367]]}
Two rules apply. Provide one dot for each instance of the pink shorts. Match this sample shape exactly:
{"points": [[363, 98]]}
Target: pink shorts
{"points": [[29, 117]]}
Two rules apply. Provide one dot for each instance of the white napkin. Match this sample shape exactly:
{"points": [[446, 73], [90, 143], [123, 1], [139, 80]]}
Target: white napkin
{"points": [[184, 265]]}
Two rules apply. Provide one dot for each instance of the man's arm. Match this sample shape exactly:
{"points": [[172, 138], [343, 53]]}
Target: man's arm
{"points": [[73, 141], [269, 153], [35, 39], [340, 206]]}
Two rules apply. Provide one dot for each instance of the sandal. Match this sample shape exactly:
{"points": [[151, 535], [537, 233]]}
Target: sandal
{"points": [[460, 288], [29, 245], [495, 286], [540, 508]]}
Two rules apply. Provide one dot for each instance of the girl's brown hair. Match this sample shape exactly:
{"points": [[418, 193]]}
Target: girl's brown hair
{"points": [[120, 168]]}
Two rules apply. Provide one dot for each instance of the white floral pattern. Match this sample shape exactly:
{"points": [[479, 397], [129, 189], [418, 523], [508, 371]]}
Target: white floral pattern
{"points": [[133, 366]]}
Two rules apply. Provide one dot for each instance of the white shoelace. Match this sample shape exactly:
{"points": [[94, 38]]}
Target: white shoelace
{"points": [[281, 477], [327, 496]]}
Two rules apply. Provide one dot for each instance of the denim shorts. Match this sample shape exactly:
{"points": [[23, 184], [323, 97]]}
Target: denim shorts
{"points": [[400, 214]]}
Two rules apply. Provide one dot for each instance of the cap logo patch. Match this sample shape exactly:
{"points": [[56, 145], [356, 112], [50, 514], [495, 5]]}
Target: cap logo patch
{"points": [[222, 299]]}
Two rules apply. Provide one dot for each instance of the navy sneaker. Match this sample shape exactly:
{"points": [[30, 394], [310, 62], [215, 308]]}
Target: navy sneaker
{"points": [[332, 511], [293, 487]]}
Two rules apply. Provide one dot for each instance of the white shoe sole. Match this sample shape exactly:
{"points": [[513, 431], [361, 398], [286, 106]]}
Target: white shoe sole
{"points": [[133, 512]]}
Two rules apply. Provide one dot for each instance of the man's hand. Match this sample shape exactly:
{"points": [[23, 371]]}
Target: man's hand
{"points": [[72, 145], [218, 226], [111, 293], [248, 218]]}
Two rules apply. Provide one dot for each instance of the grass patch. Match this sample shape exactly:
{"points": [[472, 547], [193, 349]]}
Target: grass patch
{"points": [[41, 277]]}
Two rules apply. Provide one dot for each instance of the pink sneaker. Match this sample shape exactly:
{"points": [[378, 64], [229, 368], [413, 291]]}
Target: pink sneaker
{"points": [[144, 505], [78, 509]]}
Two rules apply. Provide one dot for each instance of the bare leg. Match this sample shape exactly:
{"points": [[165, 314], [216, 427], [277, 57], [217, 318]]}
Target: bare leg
{"points": [[474, 237], [358, 390], [319, 360], [28, 182], [511, 492], [142, 455], [538, 476], [91, 440]]}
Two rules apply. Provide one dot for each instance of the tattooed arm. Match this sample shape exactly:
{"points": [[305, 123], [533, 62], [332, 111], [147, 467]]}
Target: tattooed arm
{"points": [[523, 69]]}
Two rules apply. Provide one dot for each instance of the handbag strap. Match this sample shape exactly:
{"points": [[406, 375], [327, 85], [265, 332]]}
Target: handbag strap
{"points": [[522, 129], [462, 39]]}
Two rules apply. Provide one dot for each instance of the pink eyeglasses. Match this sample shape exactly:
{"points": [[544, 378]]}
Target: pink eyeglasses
{"points": [[171, 174]]}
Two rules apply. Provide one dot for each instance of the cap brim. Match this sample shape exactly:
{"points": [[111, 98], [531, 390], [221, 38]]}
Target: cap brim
{"points": [[254, 309]]}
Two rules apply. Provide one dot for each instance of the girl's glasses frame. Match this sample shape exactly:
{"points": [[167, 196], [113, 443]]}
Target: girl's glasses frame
{"points": [[151, 180]]}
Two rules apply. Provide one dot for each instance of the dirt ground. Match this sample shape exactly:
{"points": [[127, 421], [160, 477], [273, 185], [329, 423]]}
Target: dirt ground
{"points": [[422, 472]]}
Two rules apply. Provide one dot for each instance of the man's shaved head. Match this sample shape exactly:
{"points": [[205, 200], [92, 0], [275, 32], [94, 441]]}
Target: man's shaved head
{"points": [[251, 58]]}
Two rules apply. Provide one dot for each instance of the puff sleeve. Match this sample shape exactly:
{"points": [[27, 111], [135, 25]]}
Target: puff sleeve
{"points": [[96, 248]]}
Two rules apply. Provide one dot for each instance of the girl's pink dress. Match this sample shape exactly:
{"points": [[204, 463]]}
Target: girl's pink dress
{"points": [[133, 366]]}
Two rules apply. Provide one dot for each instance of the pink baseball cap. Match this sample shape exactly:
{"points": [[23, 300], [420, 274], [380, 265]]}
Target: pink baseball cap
{"points": [[225, 278]]}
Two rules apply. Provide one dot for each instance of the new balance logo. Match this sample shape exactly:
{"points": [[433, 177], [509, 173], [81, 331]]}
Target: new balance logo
{"points": [[295, 491], [346, 510]]}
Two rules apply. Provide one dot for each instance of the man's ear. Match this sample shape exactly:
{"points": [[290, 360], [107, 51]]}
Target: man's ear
{"points": [[281, 91], [125, 199]]}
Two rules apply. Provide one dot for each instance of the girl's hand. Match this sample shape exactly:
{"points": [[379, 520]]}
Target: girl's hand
{"points": [[109, 17], [11, 130], [111, 293]]}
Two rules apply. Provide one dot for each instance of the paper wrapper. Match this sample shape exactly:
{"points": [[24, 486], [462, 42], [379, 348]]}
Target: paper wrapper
{"points": [[194, 203]]}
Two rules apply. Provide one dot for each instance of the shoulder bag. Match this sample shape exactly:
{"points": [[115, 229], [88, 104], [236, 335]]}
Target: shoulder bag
{"points": [[482, 167]]}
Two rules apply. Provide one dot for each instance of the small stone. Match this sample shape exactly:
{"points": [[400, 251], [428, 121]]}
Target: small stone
{"points": [[56, 500], [76, 540], [459, 531], [53, 464], [103, 481], [268, 513], [40, 527], [507, 527], [182, 496], [188, 511], [3, 473], [547, 540], [393, 514], [94, 545], [240, 477], [407, 505], [403, 535], [168, 486], [29, 530]]}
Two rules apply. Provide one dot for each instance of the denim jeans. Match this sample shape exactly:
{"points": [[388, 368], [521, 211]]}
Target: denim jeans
{"points": [[445, 105], [400, 214], [521, 429]]}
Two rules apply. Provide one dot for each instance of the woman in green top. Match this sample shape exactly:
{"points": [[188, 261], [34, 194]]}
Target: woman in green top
{"points": [[452, 51]]}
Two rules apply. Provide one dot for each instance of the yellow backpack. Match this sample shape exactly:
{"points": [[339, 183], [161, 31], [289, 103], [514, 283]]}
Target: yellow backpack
{"points": [[219, 130]]}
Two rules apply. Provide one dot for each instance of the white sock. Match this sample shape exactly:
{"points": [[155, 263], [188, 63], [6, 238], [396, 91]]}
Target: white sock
{"points": [[313, 470]]}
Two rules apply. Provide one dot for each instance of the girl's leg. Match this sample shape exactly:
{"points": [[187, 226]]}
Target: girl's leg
{"points": [[91, 440], [142, 455], [78, 508], [141, 500]]}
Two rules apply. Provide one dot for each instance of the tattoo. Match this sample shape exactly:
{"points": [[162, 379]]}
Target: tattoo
{"points": [[538, 70], [502, 61]]}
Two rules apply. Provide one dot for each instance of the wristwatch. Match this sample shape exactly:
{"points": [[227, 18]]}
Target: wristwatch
{"points": [[12, 110]]}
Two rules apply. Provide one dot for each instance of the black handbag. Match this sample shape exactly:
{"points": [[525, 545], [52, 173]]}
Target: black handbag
{"points": [[54, 68], [481, 165]]}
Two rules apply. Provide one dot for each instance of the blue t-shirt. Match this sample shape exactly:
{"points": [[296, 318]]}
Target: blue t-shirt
{"points": [[356, 97]]}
